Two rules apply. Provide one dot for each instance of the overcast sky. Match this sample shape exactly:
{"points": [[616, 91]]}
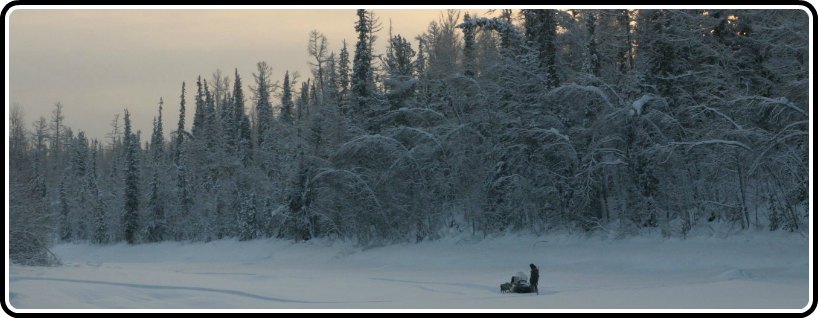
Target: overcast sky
{"points": [[98, 62]]}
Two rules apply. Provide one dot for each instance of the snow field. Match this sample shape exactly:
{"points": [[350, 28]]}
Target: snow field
{"points": [[751, 271]]}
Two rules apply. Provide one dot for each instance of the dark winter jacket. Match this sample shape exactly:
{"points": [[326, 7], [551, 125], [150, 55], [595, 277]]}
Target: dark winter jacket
{"points": [[535, 275]]}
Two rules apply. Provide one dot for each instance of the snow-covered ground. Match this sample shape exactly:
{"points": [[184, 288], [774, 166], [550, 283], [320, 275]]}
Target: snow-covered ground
{"points": [[753, 270]]}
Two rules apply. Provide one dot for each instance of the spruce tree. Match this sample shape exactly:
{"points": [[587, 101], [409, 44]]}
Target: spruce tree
{"points": [[625, 60], [180, 128], [155, 203], [400, 83], [303, 101], [592, 64], [361, 67], [227, 123], [331, 90], [541, 33], [286, 114], [469, 54], [130, 218], [420, 61], [40, 155], [65, 212], [80, 157], [158, 138], [242, 121], [156, 231], [211, 119], [56, 138], [198, 129], [246, 217], [315, 100], [343, 78], [99, 234], [180, 161], [264, 110]]}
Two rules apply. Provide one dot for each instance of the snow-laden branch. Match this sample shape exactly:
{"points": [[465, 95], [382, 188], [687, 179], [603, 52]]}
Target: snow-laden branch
{"points": [[778, 139], [717, 112], [675, 77], [359, 181], [590, 89], [720, 204], [416, 131], [613, 163], [772, 101], [363, 144], [713, 141], [639, 104], [540, 134], [493, 24], [463, 128], [425, 115]]}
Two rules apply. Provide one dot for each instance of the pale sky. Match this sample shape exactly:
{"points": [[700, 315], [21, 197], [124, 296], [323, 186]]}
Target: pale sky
{"points": [[98, 62]]}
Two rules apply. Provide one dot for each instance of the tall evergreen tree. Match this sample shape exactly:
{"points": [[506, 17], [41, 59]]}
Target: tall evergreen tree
{"points": [[548, 48], [592, 65], [361, 67], [399, 56], [180, 161], [66, 228], [180, 128], [286, 114], [400, 82], [264, 110], [157, 223], [420, 61], [332, 94], [99, 230], [242, 121], [541, 34], [315, 99], [625, 57], [228, 123], [40, 157], [79, 159], [343, 77], [302, 104], [130, 218], [158, 136], [211, 119], [469, 53], [198, 129], [185, 197], [57, 128], [246, 217]]}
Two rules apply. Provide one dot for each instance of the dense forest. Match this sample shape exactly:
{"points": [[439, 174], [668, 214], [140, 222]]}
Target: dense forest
{"points": [[622, 121]]}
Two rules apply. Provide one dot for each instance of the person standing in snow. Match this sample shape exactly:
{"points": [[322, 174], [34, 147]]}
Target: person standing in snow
{"points": [[535, 276]]}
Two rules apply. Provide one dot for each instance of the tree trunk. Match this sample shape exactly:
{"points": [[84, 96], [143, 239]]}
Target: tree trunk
{"points": [[745, 215]]}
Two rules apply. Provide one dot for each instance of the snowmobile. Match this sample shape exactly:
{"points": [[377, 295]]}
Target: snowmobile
{"points": [[519, 284]]}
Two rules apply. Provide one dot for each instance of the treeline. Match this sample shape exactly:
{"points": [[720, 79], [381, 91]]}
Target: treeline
{"points": [[582, 120]]}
